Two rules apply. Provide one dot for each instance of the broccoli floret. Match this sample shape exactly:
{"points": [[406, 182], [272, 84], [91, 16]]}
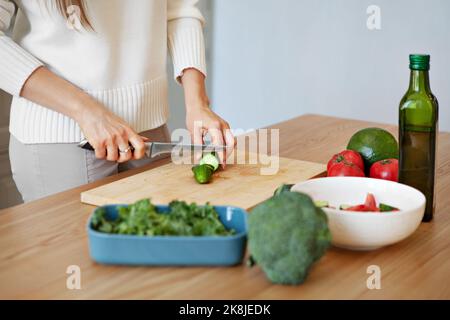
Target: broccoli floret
{"points": [[287, 234]]}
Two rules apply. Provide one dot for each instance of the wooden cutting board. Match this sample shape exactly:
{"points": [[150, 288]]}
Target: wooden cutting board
{"points": [[239, 185]]}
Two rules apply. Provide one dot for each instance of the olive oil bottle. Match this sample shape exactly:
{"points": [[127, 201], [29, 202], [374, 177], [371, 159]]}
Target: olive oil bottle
{"points": [[418, 127]]}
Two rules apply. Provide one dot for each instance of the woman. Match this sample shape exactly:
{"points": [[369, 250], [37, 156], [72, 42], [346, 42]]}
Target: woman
{"points": [[95, 69]]}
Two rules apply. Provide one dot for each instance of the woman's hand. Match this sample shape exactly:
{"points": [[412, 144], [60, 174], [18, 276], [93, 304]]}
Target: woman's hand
{"points": [[108, 134], [105, 131], [200, 119]]}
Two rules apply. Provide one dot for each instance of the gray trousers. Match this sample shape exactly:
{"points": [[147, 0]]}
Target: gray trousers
{"points": [[43, 169]]}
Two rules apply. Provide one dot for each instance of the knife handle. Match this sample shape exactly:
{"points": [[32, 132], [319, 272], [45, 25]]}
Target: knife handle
{"points": [[84, 144]]}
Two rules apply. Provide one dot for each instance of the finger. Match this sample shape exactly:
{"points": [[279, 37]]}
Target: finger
{"points": [[112, 151], [138, 144], [197, 139], [217, 139], [144, 138], [100, 151], [229, 139], [122, 143]]}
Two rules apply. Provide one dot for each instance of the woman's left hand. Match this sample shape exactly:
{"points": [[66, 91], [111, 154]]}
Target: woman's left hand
{"points": [[200, 119]]}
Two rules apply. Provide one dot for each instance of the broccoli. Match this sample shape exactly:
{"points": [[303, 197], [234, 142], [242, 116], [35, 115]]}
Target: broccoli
{"points": [[287, 234]]}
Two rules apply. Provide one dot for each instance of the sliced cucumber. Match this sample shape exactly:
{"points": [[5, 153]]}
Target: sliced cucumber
{"points": [[321, 203], [283, 188], [344, 206], [385, 207], [211, 159]]}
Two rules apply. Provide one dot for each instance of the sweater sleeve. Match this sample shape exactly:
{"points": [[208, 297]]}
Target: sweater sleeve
{"points": [[16, 64], [185, 36]]}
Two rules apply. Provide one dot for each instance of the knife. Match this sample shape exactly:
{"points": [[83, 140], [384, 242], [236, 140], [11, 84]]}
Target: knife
{"points": [[153, 149]]}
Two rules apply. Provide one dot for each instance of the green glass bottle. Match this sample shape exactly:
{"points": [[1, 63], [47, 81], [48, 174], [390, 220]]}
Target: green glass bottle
{"points": [[418, 127]]}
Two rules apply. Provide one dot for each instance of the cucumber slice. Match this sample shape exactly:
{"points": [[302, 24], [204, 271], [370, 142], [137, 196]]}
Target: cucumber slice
{"points": [[321, 203], [385, 208], [203, 173], [344, 206], [210, 159]]}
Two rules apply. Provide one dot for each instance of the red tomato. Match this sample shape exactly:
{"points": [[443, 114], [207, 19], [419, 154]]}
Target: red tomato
{"points": [[358, 207], [370, 203], [345, 169], [349, 156], [385, 169]]}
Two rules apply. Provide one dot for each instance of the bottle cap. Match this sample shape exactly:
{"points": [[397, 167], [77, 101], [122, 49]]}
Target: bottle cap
{"points": [[419, 61]]}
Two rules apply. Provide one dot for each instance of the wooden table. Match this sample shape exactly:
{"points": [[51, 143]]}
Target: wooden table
{"points": [[39, 240]]}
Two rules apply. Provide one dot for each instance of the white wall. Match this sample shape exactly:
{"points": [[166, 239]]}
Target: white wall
{"points": [[274, 60]]}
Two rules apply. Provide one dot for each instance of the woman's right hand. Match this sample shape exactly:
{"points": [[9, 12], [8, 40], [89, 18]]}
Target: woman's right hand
{"points": [[108, 134], [105, 131]]}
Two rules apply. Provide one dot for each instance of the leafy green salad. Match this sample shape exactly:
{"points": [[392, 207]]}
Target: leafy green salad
{"points": [[143, 218]]}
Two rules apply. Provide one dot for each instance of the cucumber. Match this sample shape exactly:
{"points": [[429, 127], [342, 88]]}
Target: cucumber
{"points": [[385, 208], [211, 159], [203, 173], [344, 206], [321, 204], [283, 188]]}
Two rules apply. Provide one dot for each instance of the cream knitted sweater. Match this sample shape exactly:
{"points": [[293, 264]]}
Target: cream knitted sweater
{"points": [[122, 63]]}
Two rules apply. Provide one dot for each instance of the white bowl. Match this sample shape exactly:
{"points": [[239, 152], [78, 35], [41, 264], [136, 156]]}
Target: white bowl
{"points": [[366, 230]]}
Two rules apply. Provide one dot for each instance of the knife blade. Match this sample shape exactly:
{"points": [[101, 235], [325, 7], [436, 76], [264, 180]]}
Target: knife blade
{"points": [[153, 149]]}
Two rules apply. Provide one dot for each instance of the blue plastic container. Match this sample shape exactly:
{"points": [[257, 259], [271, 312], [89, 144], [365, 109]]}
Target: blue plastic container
{"points": [[172, 250]]}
